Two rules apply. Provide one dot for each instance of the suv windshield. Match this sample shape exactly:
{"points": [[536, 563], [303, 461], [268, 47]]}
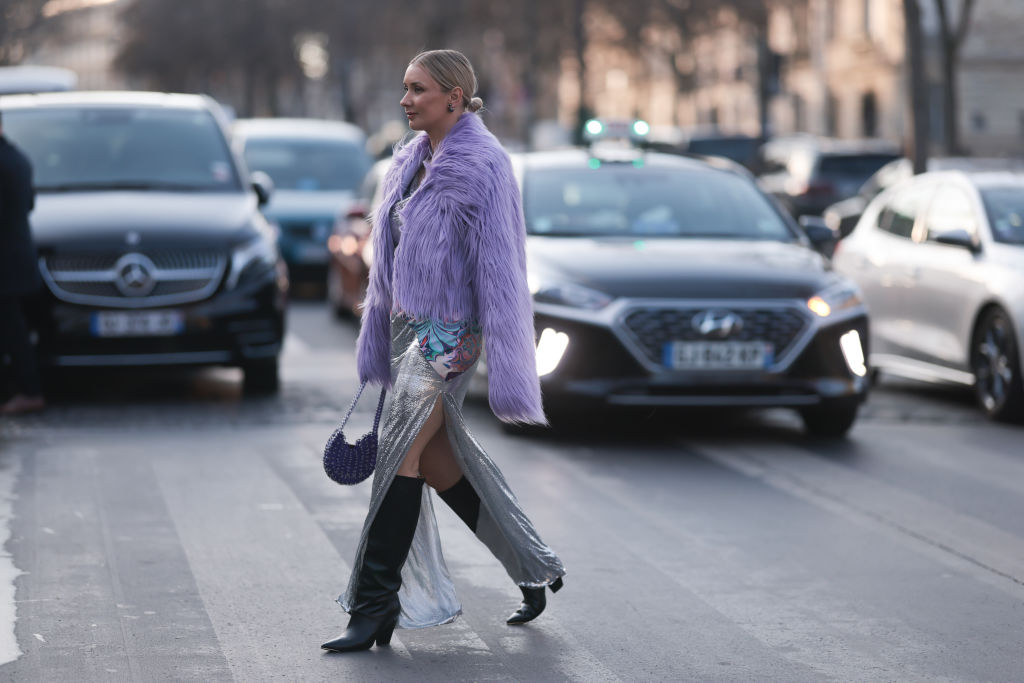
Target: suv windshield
{"points": [[73, 149], [1005, 207], [308, 164], [621, 199]]}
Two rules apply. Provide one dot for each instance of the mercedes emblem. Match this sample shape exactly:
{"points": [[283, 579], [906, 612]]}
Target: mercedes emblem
{"points": [[135, 275]]}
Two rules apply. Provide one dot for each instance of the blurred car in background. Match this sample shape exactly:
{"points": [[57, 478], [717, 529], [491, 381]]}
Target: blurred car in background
{"points": [[316, 167], [25, 79], [706, 142], [151, 243], [660, 280], [807, 175], [940, 260], [844, 215], [348, 270]]}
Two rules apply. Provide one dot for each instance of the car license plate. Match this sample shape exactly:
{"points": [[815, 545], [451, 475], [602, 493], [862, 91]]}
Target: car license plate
{"points": [[137, 323], [718, 355]]}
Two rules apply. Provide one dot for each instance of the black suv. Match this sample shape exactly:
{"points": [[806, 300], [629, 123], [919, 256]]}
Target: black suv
{"points": [[809, 174], [151, 241]]}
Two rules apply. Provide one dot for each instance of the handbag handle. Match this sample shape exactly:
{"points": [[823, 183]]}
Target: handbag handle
{"points": [[355, 400]]}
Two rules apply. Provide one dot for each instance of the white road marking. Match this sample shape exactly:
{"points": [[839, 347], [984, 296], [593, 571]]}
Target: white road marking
{"points": [[9, 649], [796, 613], [964, 540], [291, 570], [293, 344]]}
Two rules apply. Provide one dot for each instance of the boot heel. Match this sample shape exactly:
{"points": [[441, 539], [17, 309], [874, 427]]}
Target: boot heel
{"points": [[384, 635], [556, 585]]}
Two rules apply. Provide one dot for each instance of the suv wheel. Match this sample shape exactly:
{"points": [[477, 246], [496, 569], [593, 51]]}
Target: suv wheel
{"points": [[997, 381], [833, 417], [261, 377]]}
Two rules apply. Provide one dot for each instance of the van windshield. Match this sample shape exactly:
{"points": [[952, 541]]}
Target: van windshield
{"points": [[110, 148], [310, 165]]}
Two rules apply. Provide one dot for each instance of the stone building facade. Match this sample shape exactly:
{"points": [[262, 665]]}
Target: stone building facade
{"points": [[87, 42], [841, 71]]}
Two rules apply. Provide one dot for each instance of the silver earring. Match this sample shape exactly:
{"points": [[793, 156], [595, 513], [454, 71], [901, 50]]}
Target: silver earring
{"points": [[451, 107]]}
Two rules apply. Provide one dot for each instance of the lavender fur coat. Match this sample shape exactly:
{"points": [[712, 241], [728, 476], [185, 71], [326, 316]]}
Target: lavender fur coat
{"points": [[462, 256]]}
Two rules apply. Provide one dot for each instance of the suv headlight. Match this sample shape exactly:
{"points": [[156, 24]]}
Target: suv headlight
{"points": [[568, 294], [255, 255], [835, 298]]}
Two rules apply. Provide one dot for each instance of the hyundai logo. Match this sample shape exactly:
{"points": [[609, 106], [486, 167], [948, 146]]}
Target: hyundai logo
{"points": [[134, 275], [717, 324]]}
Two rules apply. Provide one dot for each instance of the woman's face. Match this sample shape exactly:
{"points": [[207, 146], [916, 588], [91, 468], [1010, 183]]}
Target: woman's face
{"points": [[425, 104]]}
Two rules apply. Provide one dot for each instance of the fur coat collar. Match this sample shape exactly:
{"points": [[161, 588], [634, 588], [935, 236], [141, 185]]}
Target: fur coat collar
{"points": [[461, 255]]}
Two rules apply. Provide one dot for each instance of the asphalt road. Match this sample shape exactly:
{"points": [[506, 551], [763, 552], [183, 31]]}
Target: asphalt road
{"points": [[162, 526]]}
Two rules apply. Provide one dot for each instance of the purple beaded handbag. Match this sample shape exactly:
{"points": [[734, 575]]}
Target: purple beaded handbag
{"points": [[348, 463]]}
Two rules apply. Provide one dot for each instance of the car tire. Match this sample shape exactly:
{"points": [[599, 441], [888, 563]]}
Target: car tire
{"points": [[262, 377], [832, 417], [996, 368]]}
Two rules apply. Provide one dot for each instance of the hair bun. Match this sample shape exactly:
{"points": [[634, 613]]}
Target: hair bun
{"points": [[475, 104]]}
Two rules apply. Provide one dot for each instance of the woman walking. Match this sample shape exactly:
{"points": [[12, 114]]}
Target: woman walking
{"points": [[448, 275]]}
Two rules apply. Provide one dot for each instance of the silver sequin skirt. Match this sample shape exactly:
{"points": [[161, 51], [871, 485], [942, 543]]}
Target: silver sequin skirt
{"points": [[427, 594]]}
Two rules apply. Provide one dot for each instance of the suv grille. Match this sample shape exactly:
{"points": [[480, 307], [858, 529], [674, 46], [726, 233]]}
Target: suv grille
{"points": [[652, 328], [135, 279]]}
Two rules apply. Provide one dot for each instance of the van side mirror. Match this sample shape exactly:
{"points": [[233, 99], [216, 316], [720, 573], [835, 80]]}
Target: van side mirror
{"points": [[822, 237]]}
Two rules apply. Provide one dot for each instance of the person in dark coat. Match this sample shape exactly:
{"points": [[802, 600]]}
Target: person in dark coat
{"points": [[19, 277]]}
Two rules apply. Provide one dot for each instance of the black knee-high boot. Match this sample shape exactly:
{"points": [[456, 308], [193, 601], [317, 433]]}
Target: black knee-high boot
{"points": [[463, 499], [375, 607]]}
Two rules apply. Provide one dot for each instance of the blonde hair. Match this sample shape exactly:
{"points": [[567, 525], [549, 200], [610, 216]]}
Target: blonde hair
{"points": [[451, 69]]}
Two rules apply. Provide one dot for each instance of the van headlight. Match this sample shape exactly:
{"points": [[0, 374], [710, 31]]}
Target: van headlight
{"points": [[255, 256], [835, 298]]}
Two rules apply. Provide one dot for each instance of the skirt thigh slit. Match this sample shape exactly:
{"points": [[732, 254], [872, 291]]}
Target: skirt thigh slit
{"points": [[427, 595]]}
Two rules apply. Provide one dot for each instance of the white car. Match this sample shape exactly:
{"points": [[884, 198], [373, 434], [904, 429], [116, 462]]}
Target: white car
{"points": [[940, 261]]}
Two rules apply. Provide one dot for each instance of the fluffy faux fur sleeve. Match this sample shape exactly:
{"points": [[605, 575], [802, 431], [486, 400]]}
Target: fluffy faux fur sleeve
{"points": [[373, 347], [503, 302]]}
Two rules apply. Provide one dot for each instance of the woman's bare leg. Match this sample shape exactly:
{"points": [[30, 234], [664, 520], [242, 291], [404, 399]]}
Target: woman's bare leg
{"points": [[430, 455], [410, 466], [437, 462]]}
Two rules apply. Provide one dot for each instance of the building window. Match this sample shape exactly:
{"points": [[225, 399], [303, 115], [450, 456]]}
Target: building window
{"points": [[979, 122], [1020, 123], [800, 114], [869, 114], [831, 115]]}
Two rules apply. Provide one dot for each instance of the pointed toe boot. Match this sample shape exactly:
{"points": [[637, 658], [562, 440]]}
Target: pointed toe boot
{"points": [[534, 602], [375, 608], [464, 501]]}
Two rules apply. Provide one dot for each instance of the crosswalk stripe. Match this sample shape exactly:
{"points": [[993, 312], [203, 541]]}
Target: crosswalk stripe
{"points": [[960, 450], [799, 616], [293, 344], [266, 573], [342, 509], [962, 539], [9, 650]]}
